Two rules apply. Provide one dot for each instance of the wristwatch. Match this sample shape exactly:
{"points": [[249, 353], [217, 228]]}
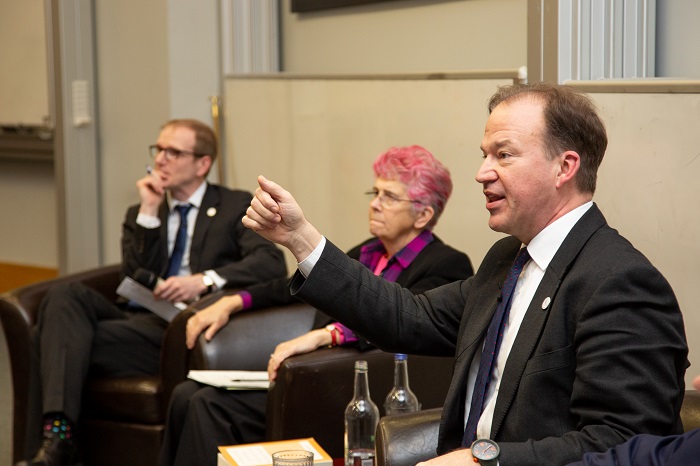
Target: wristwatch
{"points": [[208, 282], [485, 452]]}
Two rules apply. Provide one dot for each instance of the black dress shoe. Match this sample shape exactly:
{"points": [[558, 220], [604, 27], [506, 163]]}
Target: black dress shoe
{"points": [[55, 451]]}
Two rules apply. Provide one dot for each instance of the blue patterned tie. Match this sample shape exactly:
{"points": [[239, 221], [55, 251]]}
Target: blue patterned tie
{"points": [[180, 240], [494, 336]]}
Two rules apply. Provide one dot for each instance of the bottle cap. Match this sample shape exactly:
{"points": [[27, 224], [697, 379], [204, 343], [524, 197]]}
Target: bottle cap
{"points": [[361, 365], [400, 357]]}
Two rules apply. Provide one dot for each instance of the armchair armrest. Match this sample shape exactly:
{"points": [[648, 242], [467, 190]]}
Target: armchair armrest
{"points": [[249, 338], [245, 343], [175, 358], [407, 439]]}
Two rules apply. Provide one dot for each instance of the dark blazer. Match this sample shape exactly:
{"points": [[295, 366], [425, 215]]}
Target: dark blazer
{"points": [[673, 450], [436, 265], [600, 354], [220, 242]]}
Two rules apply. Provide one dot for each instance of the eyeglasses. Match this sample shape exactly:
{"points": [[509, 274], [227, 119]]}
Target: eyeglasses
{"points": [[170, 153], [389, 199]]}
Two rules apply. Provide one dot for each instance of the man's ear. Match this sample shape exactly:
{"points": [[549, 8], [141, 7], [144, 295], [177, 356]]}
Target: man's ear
{"points": [[424, 217], [204, 165], [569, 164]]}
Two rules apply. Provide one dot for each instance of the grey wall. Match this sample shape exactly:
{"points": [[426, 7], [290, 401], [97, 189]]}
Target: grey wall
{"points": [[677, 38]]}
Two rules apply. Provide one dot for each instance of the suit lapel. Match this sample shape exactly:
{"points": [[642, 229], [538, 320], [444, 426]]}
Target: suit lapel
{"points": [[207, 211], [524, 345], [538, 311]]}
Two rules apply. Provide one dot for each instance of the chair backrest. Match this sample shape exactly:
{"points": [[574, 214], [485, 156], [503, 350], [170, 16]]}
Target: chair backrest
{"points": [[407, 439]]}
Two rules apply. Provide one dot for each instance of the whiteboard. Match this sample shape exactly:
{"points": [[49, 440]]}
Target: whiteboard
{"points": [[319, 137], [24, 75]]}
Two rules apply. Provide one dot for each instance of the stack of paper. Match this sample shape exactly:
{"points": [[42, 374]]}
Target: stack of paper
{"points": [[232, 380]]}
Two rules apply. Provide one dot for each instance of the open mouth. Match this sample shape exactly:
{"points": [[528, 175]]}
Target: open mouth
{"points": [[493, 199]]}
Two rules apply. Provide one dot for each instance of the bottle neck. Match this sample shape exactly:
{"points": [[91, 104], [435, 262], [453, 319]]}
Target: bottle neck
{"points": [[361, 384], [401, 374]]}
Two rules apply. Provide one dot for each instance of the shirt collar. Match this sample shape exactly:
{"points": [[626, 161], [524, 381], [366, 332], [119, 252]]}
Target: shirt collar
{"points": [[195, 199], [409, 252], [545, 245], [370, 252]]}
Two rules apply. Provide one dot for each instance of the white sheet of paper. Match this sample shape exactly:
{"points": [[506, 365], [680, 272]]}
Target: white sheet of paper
{"points": [[136, 292], [232, 380], [250, 456]]}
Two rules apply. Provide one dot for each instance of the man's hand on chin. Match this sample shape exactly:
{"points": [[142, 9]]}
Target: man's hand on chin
{"points": [[454, 458]]}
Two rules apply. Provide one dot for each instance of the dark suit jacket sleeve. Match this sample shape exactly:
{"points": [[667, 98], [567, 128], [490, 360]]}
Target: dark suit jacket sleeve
{"points": [[434, 266], [674, 450], [422, 327]]}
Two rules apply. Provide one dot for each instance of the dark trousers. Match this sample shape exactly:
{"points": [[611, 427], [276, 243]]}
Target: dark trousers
{"points": [[202, 418], [79, 332]]}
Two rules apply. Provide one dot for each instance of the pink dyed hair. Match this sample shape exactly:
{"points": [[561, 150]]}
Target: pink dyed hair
{"points": [[427, 179]]}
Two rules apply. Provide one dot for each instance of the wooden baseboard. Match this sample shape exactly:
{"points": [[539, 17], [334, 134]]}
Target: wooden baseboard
{"points": [[16, 275]]}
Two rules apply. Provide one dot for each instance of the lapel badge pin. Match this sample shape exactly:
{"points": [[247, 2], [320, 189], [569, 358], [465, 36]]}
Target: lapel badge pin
{"points": [[211, 211], [545, 303]]}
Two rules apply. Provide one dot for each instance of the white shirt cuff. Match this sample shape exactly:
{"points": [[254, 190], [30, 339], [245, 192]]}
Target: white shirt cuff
{"points": [[307, 265], [218, 281], [147, 221]]}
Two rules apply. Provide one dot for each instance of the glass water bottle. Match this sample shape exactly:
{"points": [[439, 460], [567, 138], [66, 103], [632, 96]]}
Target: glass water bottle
{"points": [[361, 418], [401, 399]]}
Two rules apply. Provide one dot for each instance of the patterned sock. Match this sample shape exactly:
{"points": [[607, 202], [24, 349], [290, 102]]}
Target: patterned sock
{"points": [[57, 424]]}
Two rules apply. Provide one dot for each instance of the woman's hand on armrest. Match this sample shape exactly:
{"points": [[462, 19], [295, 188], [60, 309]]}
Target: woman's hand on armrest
{"points": [[212, 318], [305, 343]]}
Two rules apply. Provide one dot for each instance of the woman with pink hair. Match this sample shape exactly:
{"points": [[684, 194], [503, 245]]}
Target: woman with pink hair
{"points": [[409, 194]]}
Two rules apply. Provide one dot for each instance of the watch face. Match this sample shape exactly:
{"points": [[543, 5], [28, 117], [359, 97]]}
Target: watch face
{"points": [[485, 449]]}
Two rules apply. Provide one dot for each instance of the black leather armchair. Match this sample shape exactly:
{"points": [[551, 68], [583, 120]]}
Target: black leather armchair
{"points": [[405, 440], [18, 310], [123, 419]]}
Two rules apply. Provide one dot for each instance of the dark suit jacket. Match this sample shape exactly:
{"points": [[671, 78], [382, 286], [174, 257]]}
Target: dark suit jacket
{"points": [[437, 264], [673, 450], [220, 242], [600, 360]]}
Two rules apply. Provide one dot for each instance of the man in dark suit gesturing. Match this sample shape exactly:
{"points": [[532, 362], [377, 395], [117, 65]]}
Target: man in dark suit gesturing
{"points": [[576, 350], [185, 230]]}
